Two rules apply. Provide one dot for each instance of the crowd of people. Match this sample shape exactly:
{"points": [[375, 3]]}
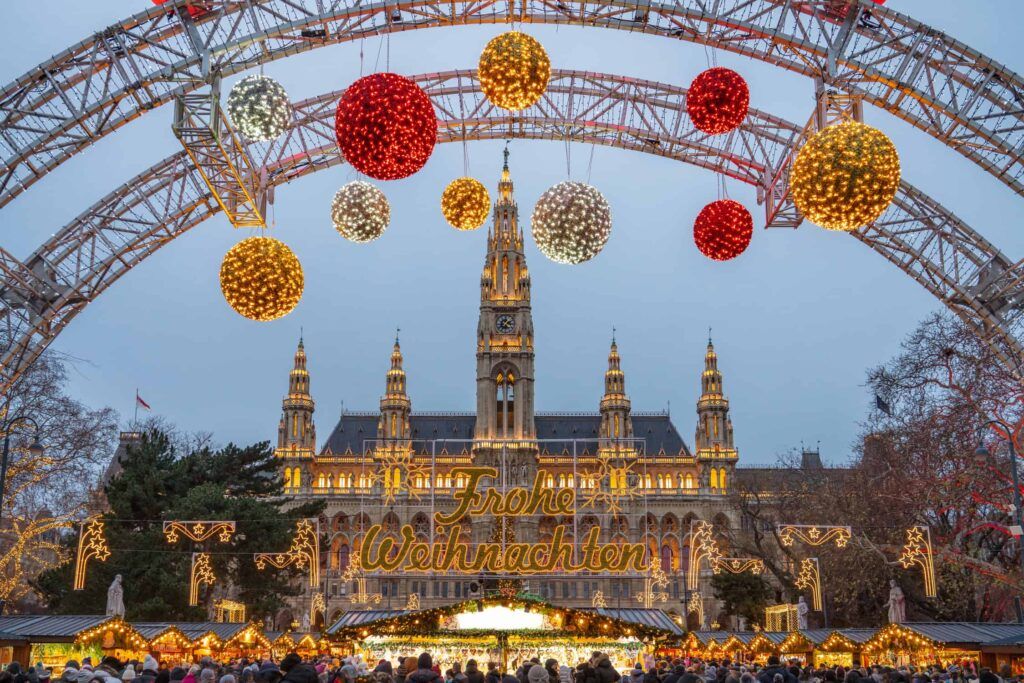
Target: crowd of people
{"points": [[423, 669]]}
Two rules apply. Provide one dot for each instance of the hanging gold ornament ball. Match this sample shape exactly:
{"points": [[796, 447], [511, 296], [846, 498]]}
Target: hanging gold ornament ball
{"points": [[360, 212], [845, 176], [261, 278], [514, 70], [465, 203]]}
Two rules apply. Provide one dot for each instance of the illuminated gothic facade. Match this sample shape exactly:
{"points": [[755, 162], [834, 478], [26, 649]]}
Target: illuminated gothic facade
{"points": [[664, 485]]}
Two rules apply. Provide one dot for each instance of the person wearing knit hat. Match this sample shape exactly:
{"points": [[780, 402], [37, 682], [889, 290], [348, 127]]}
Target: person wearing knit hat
{"points": [[537, 674], [129, 673]]}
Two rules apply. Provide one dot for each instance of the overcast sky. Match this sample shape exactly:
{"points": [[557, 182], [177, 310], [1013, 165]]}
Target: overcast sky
{"points": [[797, 319]]}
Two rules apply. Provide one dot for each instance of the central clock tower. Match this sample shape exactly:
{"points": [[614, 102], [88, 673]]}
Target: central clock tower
{"points": [[504, 351]]}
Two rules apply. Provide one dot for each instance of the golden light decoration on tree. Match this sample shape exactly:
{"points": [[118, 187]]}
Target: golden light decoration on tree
{"points": [[571, 222], [202, 574], [304, 552], [360, 212], [465, 203], [813, 535], [810, 579], [198, 531], [845, 176], [261, 278], [918, 550], [514, 71], [259, 108], [702, 547], [92, 544]]}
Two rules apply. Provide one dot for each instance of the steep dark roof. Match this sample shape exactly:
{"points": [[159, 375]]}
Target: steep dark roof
{"points": [[356, 431]]}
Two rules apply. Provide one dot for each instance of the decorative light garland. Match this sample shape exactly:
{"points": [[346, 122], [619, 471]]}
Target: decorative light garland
{"points": [[261, 278], [201, 574], [360, 212], [571, 222], [696, 606], [413, 602], [228, 611], [655, 579], [718, 100], [740, 565], [386, 126], [116, 626], [465, 203], [723, 230], [317, 606], [918, 551], [198, 531], [810, 579], [845, 176], [514, 71], [92, 544], [611, 485], [259, 108], [304, 552], [598, 601], [814, 535], [702, 547]]}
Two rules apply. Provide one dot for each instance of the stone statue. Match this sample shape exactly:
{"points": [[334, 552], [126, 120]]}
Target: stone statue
{"points": [[897, 603], [801, 613], [305, 623], [115, 598]]}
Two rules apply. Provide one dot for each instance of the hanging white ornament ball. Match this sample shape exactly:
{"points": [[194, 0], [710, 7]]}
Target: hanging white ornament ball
{"points": [[360, 212], [259, 108], [571, 222]]}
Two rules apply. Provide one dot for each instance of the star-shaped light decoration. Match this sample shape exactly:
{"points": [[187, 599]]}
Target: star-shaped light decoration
{"points": [[391, 459], [611, 486]]}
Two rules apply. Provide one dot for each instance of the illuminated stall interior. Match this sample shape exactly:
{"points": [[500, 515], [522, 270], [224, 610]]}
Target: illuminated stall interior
{"points": [[1005, 651], [800, 645], [166, 641], [506, 631], [842, 647], [765, 644], [928, 642], [281, 643]]}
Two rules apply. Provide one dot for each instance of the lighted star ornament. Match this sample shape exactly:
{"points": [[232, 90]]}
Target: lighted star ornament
{"points": [[396, 471], [571, 222], [611, 487], [198, 531], [845, 176], [92, 544], [304, 553], [918, 551], [259, 108]]}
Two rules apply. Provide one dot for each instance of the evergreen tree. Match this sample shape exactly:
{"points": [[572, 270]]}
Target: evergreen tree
{"points": [[742, 595], [158, 483]]}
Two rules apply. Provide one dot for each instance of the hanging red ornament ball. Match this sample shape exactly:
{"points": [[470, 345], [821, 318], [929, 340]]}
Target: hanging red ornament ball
{"points": [[723, 230], [196, 8], [386, 126], [718, 100]]}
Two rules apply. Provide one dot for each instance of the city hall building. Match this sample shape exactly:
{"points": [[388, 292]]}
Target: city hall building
{"points": [[634, 475]]}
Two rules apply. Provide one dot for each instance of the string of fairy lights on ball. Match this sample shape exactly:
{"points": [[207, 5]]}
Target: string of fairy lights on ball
{"points": [[259, 108], [571, 222], [261, 278], [723, 230], [718, 100], [360, 212], [514, 70], [845, 176], [465, 203], [386, 126]]}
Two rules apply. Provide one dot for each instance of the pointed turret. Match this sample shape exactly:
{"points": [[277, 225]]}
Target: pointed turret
{"points": [[296, 433], [615, 407], [505, 330], [714, 438], [395, 404]]}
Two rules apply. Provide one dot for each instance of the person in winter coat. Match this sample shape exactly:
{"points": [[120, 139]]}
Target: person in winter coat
{"points": [[424, 672], [297, 672], [150, 669], [473, 672], [406, 665], [70, 673], [565, 674], [767, 674], [537, 674], [605, 672]]}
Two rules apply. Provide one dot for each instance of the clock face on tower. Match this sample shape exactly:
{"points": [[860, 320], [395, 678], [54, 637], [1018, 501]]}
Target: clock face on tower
{"points": [[505, 324]]}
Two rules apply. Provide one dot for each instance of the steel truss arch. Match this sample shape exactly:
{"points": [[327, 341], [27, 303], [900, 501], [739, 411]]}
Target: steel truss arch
{"points": [[42, 294], [954, 93]]}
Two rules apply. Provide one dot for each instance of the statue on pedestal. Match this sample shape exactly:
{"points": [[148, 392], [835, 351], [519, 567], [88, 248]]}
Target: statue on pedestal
{"points": [[115, 598], [801, 613], [897, 603]]}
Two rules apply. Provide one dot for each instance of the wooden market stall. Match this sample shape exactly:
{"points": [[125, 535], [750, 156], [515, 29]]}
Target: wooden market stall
{"points": [[1004, 652], [842, 647], [945, 643], [166, 641], [51, 639], [505, 630], [765, 644], [246, 640], [309, 645], [698, 643], [281, 643]]}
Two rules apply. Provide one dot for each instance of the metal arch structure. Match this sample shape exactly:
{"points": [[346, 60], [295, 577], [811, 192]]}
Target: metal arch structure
{"points": [[954, 93], [42, 294]]}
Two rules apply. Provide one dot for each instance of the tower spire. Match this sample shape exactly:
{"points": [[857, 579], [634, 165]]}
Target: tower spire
{"points": [[395, 405], [616, 422], [714, 436], [296, 432]]}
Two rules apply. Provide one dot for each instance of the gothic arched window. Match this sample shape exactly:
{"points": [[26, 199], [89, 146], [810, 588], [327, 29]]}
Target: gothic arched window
{"points": [[714, 478], [721, 479], [504, 395], [287, 477]]}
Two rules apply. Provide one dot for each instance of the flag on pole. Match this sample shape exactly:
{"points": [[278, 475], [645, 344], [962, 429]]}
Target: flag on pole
{"points": [[879, 403], [140, 403]]}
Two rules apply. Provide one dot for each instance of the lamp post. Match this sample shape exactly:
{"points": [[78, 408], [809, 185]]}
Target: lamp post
{"points": [[35, 449], [983, 453]]}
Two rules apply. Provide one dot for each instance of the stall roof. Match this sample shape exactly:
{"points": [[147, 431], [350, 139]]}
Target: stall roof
{"points": [[1012, 641], [30, 626], [959, 631], [654, 618], [775, 636], [857, 635], [358, 618], [817, 636]]}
